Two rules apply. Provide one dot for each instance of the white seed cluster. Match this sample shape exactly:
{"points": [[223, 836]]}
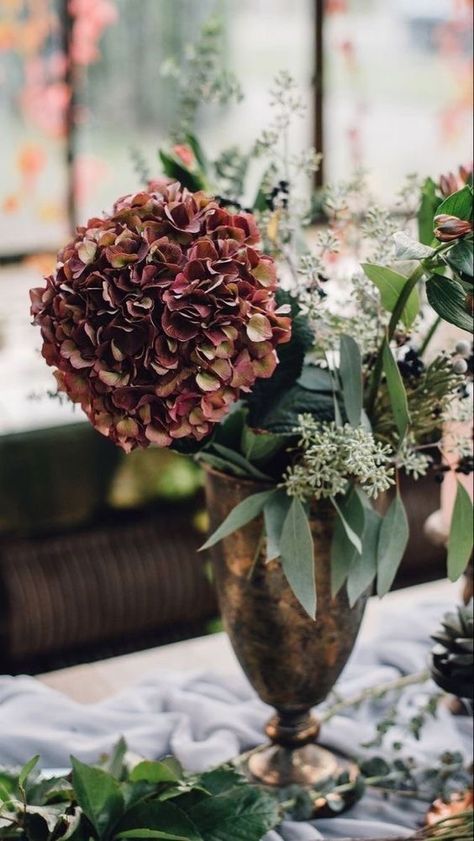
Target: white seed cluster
{"points": [[332, 455]]}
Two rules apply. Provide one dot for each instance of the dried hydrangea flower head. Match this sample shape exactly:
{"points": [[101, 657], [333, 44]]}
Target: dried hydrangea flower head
{"points": [[159, 315]]}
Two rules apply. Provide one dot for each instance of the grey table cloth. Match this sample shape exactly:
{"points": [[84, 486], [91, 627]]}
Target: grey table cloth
{"points": [[205, 719]]}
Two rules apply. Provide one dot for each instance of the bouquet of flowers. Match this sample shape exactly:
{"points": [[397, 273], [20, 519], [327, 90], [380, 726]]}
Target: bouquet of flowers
{"points": [[191, 317]]}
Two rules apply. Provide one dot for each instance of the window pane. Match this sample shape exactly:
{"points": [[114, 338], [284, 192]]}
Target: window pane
{"points": [[398, 94]]}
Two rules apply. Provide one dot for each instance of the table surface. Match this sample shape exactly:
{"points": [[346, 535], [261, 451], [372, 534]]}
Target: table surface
{"points": [[93, 682]]}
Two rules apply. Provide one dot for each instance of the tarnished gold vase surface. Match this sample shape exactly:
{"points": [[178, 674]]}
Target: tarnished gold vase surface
{"points": [[291, 660]]}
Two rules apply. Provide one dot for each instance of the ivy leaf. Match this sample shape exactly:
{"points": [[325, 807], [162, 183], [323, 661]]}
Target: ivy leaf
{"points": [[275, 512], [390, 285], [245, 813], [430, 201], [461, 257], [350, 370], [364, 567], [99, 796], [460, 535], [297, 556], [26, 771], [448, 299], [396, 391], [153, 772], [243, 513], [155, 816], [458, 204], [393, 539], [343, 551]]}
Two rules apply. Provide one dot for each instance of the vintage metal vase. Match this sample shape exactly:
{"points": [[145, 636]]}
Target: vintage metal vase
{"points": [[291, 661]]}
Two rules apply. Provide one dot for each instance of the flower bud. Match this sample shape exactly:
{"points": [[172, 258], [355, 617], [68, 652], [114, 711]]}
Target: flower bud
{"points": [[450, 227], [459, 366]]}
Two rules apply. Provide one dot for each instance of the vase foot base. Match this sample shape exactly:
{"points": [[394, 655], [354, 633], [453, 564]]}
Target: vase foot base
{"points": [[309, 767]]}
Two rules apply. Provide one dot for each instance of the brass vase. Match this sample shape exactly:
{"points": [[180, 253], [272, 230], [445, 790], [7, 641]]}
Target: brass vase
{"points": [[291, 661]]}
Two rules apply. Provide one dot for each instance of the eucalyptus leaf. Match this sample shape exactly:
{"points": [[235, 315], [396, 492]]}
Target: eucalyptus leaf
{"points": [[364, 567], [458, 204], [345, 516], [221, 464], [99, 796], [448, 299], [350, 370], [297, 556], [393, 539], [243, 513], [275, 512], [390, 285], [396, 391], [461, 535], [315, 379], [239, 461], [343, 552]]}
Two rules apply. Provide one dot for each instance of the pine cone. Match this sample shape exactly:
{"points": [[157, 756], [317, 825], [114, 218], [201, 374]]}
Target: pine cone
{"points": [[452, 656]]}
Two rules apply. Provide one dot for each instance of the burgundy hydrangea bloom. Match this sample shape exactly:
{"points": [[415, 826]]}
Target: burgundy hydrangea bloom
{"points": [[159, 316]]}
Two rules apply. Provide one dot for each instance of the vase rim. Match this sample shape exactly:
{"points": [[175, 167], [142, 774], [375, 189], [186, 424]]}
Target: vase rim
{"points": [[241, 480]]}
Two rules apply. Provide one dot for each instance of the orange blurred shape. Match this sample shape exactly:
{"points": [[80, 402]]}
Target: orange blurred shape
{"points": [[8, 39], [42, 263], [50, 211], [10, 204], [184, 153], [31, 160], [458, 802]]}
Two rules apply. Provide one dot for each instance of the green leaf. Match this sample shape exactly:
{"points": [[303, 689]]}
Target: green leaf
{"points": [[199, 153], [153, 815], [282, 415], [315, 379], [393, 539], [114, 764], [99, 796], [396, 391], [239, 461], [350, 370], [275, 512], [260, 446], [460, 536], [461, 257], [297, 556], [221, 779], [349, 518], [390, 285], [448, 299], [221, 464], [153, 772], [245, 813], [364, 567], [151, 833], [458, 204], [430, 201], [266, 393], [407, 248], [243, 513], [26, 771], [192, 180]]}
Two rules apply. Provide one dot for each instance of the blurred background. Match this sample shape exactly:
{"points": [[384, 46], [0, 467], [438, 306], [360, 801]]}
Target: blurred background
{"points": [[92, 554]]}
